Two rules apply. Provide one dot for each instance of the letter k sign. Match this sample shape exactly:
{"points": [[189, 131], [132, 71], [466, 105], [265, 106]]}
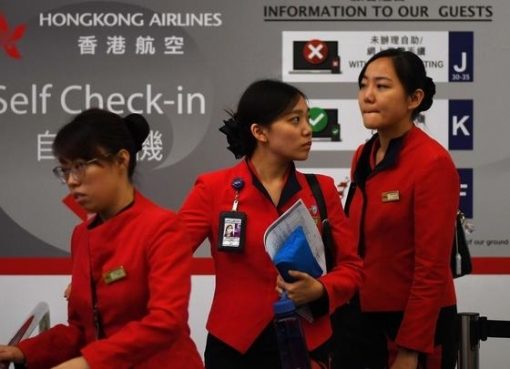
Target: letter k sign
{"points": [[8, 39]]}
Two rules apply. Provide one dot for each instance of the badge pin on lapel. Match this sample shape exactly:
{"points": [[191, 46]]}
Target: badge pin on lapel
{"points": [[390, 196], [114, 275]]}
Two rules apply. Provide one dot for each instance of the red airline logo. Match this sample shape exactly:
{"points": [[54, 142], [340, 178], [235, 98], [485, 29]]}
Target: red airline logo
{"points": [[9, 38]]}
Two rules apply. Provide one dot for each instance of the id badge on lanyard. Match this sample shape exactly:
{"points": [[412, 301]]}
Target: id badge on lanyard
{"points": [[232, 224]]}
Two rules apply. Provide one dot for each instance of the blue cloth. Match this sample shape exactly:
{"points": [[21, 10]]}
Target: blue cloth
{"points": [[295, 254]]}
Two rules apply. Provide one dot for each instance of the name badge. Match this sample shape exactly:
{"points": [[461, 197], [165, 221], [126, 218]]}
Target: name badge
{"points": [[114, 275], [232, 231], [390, 196]]}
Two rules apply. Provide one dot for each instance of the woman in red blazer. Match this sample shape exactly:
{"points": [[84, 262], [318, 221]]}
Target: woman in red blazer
{"points": [[270, 130], [403, 202], [128, 307]]}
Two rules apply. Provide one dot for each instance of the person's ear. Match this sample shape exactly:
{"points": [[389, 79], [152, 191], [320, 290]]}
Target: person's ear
{"points": [[259, 132], [415, 99], [122, 158]]}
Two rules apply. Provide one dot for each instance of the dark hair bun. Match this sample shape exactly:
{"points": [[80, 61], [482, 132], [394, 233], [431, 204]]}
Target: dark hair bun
{"points": [[236, 138], [139, 129]]}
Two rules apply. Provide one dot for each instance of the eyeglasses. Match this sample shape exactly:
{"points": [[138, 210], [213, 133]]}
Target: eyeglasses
{"points": [[77, 170]]}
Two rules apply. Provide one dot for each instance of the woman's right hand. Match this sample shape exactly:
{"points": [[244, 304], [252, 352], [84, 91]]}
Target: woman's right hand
{"points": [[406, 359], [303, 290], [11, 353], [67, 292]]}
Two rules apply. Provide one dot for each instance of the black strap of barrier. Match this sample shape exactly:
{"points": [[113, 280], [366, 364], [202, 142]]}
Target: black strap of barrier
{"points": [[493, 328]]}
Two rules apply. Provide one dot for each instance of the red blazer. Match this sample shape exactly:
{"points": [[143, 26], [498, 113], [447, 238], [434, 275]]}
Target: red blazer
{"points": [[245, 282], [406, 227], [144, 314]]}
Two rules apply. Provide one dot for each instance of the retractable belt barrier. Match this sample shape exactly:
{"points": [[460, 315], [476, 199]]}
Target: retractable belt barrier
{"points": [[473, 329]]}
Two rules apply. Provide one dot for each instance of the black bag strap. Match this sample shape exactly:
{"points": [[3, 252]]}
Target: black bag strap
{"points": [[350, 195], [317, 193], [327, 237]]}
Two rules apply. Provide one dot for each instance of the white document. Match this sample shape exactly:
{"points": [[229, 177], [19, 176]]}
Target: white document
{"points": [[281, 228]]}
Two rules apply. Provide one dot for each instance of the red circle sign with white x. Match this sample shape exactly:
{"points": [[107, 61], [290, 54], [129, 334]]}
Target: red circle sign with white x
{"points": [[315, 51]]}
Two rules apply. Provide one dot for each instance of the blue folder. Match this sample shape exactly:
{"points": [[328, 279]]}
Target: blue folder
{"points": [[295, 254]]}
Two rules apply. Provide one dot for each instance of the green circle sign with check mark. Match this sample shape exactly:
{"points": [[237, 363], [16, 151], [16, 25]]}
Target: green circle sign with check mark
{"points": [[318, 119]]}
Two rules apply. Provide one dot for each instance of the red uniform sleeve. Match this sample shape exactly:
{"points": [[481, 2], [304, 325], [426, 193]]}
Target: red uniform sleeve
{"points": [[345, 277], [52, 347], [196, 213], [169, 259], [435, 207]]}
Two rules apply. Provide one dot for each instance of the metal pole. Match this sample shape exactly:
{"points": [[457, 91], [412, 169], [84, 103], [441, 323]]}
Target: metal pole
{"points": [[469, 349]]}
